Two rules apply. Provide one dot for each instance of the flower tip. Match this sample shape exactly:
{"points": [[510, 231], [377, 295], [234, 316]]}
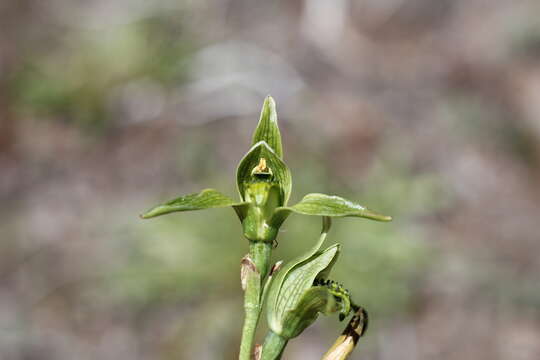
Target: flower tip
{"points": [[379, 217], [269, 101], [148, 214]]}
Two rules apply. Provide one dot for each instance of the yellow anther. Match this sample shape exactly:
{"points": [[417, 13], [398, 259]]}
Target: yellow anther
{"points": [[261, 168]]}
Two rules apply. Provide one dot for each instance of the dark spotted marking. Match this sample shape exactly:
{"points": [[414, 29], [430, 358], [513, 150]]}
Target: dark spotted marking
{"points": [[341, 295]]}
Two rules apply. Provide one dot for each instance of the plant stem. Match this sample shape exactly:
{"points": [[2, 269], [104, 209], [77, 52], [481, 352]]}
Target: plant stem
{"points": [[260, 253], [273, 346]]}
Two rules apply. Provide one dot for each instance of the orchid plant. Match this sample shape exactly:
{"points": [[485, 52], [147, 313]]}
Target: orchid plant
{"points": [[295, 294]]}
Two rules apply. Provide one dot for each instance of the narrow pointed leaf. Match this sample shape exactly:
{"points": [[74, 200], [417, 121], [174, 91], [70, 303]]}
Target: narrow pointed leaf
{"points": [[267, 130], [280, 173], [326, 205], [206, 199]]}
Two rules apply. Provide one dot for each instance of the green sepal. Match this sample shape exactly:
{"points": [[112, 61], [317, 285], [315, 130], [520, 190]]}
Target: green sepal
{"points": [[267, 130], [326, 205], [314, 301], [293, 282], [206, 199], [280, 173]]}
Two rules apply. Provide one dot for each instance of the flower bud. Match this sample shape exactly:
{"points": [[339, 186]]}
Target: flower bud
{"points": [[293, 302]]}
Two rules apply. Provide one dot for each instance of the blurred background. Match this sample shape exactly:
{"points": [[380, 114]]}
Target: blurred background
{"points": [[425, 110]]}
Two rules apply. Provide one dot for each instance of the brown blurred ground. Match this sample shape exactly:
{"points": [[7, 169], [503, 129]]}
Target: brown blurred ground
{"points": [[426, 110]]}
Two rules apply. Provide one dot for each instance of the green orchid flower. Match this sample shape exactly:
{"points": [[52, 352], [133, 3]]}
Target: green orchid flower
{"points": [[264, 184], [299, 293]]}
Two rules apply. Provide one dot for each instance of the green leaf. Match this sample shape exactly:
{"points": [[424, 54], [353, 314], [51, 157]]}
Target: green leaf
{"points": [[326, 205], [267, 130], [206, 199], [278, 173]]}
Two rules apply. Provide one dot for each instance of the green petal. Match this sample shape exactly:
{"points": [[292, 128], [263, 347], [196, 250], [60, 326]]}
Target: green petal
{"points": [[326, 205], [267, 130], [281, 175], [206, 199]]}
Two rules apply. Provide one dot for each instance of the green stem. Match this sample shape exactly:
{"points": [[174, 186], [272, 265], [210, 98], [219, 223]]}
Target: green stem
{"points": [[273, 346], [260, 253]]}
